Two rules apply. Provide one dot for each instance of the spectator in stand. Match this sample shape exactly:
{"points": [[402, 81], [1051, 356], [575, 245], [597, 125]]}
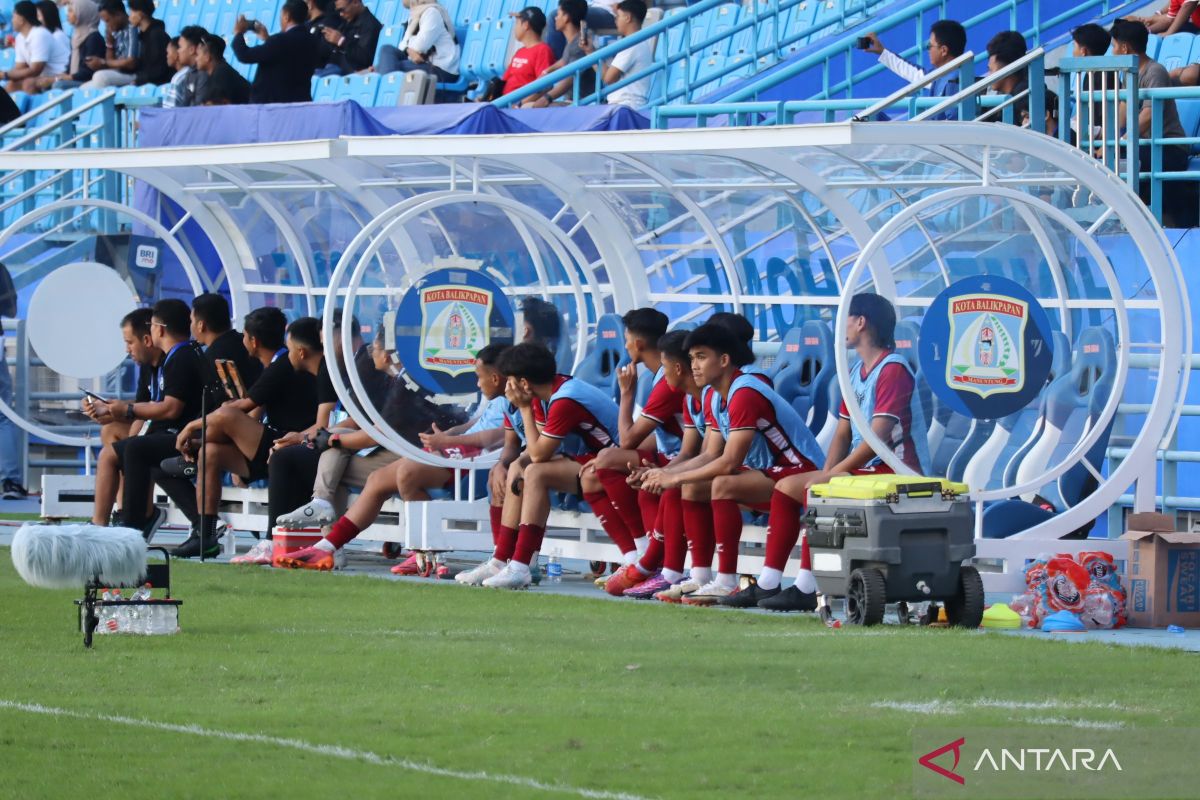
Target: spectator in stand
{"points": [[195, 79], [1089, 40], [84, 16], [171, 90], [1177, 16], [429, 44], [632, 60], [352, 44], [321, 15], [61, 51], [121, 49], [533, 56], [152, 34], [223, 85], [947, 41], [1130, 38], [37, 55], [598, 14], [286, 61], [568, 23], [1003, 49]]}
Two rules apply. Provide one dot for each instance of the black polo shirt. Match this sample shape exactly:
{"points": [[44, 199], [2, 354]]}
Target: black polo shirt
{"points": [[182, 374], [288, 397], [230, 347]]}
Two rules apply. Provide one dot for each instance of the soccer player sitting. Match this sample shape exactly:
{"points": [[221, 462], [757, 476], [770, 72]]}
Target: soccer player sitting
{"points": [[413, 480], [661, 565], [604, 481], [885, 387], [284, 395], [753, 440], [567, 422]]}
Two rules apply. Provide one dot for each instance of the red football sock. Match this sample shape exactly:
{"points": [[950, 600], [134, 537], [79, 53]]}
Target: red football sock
{"points": [[805, 555], [496, 513], [529, 541], [698, 523], [648, 505], [783, 529], [610, 520], [674, 541], [624, 501], [727, 520], [343, 531], [506, 542], [652, 560]]}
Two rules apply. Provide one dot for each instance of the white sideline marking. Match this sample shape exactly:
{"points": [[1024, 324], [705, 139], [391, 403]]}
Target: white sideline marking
{"points": [[952, 706], [334, 751]]}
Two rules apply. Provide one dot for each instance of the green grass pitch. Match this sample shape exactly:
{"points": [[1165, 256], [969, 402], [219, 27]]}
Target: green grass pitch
{"points": [[300, 685]]}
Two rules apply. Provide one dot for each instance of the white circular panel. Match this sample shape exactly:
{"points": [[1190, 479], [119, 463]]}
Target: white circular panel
{"points": [[74, 319]]}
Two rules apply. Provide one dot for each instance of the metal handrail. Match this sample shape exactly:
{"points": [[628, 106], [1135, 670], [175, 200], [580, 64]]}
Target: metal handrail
{"points": [[981, 86], [914, 87], [58, 122], [33, 113]]}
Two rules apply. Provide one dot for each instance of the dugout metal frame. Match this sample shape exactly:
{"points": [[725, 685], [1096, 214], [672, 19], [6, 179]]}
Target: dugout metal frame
{"points": [[607, 219]]}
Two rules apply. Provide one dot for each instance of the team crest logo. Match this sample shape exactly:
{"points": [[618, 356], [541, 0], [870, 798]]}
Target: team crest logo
{"points": [[454, 327], [987, 340]]}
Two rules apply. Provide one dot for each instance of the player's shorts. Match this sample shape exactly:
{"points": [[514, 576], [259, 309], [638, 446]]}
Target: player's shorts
{"points": [[458, 451], [583, 459], [257, 469]]}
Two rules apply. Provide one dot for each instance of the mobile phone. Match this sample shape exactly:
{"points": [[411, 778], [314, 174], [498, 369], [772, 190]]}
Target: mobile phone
{"points": [[583, 30], [864, 43], [92, 396]]}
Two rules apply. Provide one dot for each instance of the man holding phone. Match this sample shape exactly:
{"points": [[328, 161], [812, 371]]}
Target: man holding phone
{"points": [[947, 41], [174, 400], [285, 60]]}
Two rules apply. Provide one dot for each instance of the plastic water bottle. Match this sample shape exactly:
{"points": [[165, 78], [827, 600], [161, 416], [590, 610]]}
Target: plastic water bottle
{"points": [[554, 568], [117, 621], [141, 617], [103, 613]]}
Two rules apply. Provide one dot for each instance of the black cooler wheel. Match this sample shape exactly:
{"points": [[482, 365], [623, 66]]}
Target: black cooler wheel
{"points": [[965, 609], [866, 597]]}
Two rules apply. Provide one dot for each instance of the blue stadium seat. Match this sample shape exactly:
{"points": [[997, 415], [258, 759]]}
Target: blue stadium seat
{"points": [[495, 59], [1176, 51], [362, 89], [171, 13], [1072, 405], [326, 89], [388, 11], [599, 366], [720, 20], [388, 92], [1152, 45], [803, 370], [391, 34], [209, 13], [493, 10], [468, 12], [8, 57], [988, 448], [226, 16], [1189, 117]]}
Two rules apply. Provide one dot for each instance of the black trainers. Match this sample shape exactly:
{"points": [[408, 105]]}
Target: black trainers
{"points": [[157, 518], [790, 599], [11, 490], [749, 597], [191, 546], [178, 467]]}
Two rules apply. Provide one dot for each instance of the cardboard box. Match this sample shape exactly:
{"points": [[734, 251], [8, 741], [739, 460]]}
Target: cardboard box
{"points": [[1163, 573]]}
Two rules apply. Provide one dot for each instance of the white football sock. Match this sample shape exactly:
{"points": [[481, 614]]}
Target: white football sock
{"points": [[672, 576], [630, 558], [727, 580], [805, 581], [325, 545], [641, 543], [497, 563], [769, 578], [702, 575]]}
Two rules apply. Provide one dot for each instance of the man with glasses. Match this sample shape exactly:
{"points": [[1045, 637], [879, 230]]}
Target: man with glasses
{"points": [[947, 41]]}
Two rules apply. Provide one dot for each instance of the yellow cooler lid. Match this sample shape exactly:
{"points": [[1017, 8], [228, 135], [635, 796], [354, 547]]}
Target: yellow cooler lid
{"points": [[886, 487]]}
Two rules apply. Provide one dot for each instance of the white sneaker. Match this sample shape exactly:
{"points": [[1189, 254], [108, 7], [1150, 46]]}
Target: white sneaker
{"points": [[259, 554], [316, 513], [708, 594], [477, 575], [678, 591], [511, 577]]}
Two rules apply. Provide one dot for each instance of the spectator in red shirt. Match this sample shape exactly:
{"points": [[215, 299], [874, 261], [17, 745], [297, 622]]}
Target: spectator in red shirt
{"points": [[534, 55]]}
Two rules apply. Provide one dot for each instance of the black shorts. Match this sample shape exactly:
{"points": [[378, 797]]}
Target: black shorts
{"points": [[257, 469]]}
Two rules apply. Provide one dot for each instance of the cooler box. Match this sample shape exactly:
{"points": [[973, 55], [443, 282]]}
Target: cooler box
{"points": [[286, 540], [915, 531]]}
